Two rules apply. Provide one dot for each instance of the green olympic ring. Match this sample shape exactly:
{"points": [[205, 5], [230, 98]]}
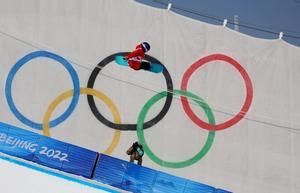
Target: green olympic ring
{"points": [[200, 154]]}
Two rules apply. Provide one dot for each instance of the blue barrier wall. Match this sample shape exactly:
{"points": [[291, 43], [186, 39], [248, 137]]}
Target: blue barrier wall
{"points": [[79, 161], [135, 178], [46, 151]]}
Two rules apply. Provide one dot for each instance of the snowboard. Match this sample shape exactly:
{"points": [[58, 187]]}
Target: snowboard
{"points": [[156, 68]]}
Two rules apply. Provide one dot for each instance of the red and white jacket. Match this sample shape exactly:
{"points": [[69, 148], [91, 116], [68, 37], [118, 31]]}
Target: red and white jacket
{"points": [[135, 57]]}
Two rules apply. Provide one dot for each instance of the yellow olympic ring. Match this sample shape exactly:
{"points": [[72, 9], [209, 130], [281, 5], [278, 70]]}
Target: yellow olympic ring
{"points": [[95, 93]]}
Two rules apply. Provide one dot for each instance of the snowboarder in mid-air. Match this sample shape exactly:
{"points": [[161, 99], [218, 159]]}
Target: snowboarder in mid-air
{"points": [[136, 58], [136, 61], [136, 152]]}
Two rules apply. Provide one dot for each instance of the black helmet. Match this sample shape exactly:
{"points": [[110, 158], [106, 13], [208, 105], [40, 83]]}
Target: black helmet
{"points": [[146, 46]]}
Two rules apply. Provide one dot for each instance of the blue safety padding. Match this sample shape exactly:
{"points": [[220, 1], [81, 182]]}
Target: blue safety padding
{"points": [[18, 142], [124, 175], [196, 187], [80, 161], [221, 191], [169, 183], [139, 179], [85, 161], [46, 151], [110, 170]]}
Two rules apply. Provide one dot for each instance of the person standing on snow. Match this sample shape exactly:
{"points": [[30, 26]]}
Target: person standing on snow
{"points": [[136, 152]]}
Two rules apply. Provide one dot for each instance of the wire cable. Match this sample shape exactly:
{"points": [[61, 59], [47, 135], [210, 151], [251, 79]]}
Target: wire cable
{"points": [[220, 19]]}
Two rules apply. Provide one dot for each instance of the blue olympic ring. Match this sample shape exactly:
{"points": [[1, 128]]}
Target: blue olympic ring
{"points": [[18, 65]]}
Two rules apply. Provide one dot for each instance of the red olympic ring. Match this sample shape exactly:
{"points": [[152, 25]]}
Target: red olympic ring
{"points": [[247, 102]]}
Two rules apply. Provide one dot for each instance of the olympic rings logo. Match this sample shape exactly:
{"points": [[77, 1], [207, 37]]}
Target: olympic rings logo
{"points": [[139, 127]]}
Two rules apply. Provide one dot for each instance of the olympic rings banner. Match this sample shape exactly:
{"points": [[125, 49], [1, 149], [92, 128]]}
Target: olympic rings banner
{"points": [[141, 123], [64, 156], [225, 109]]}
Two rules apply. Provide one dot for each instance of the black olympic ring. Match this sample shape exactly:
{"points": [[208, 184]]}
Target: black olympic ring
{"points": [[127, 127]]}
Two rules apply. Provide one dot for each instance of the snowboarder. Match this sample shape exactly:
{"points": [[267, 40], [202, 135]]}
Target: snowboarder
{"points": [[136, 58], [136, 152]]}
